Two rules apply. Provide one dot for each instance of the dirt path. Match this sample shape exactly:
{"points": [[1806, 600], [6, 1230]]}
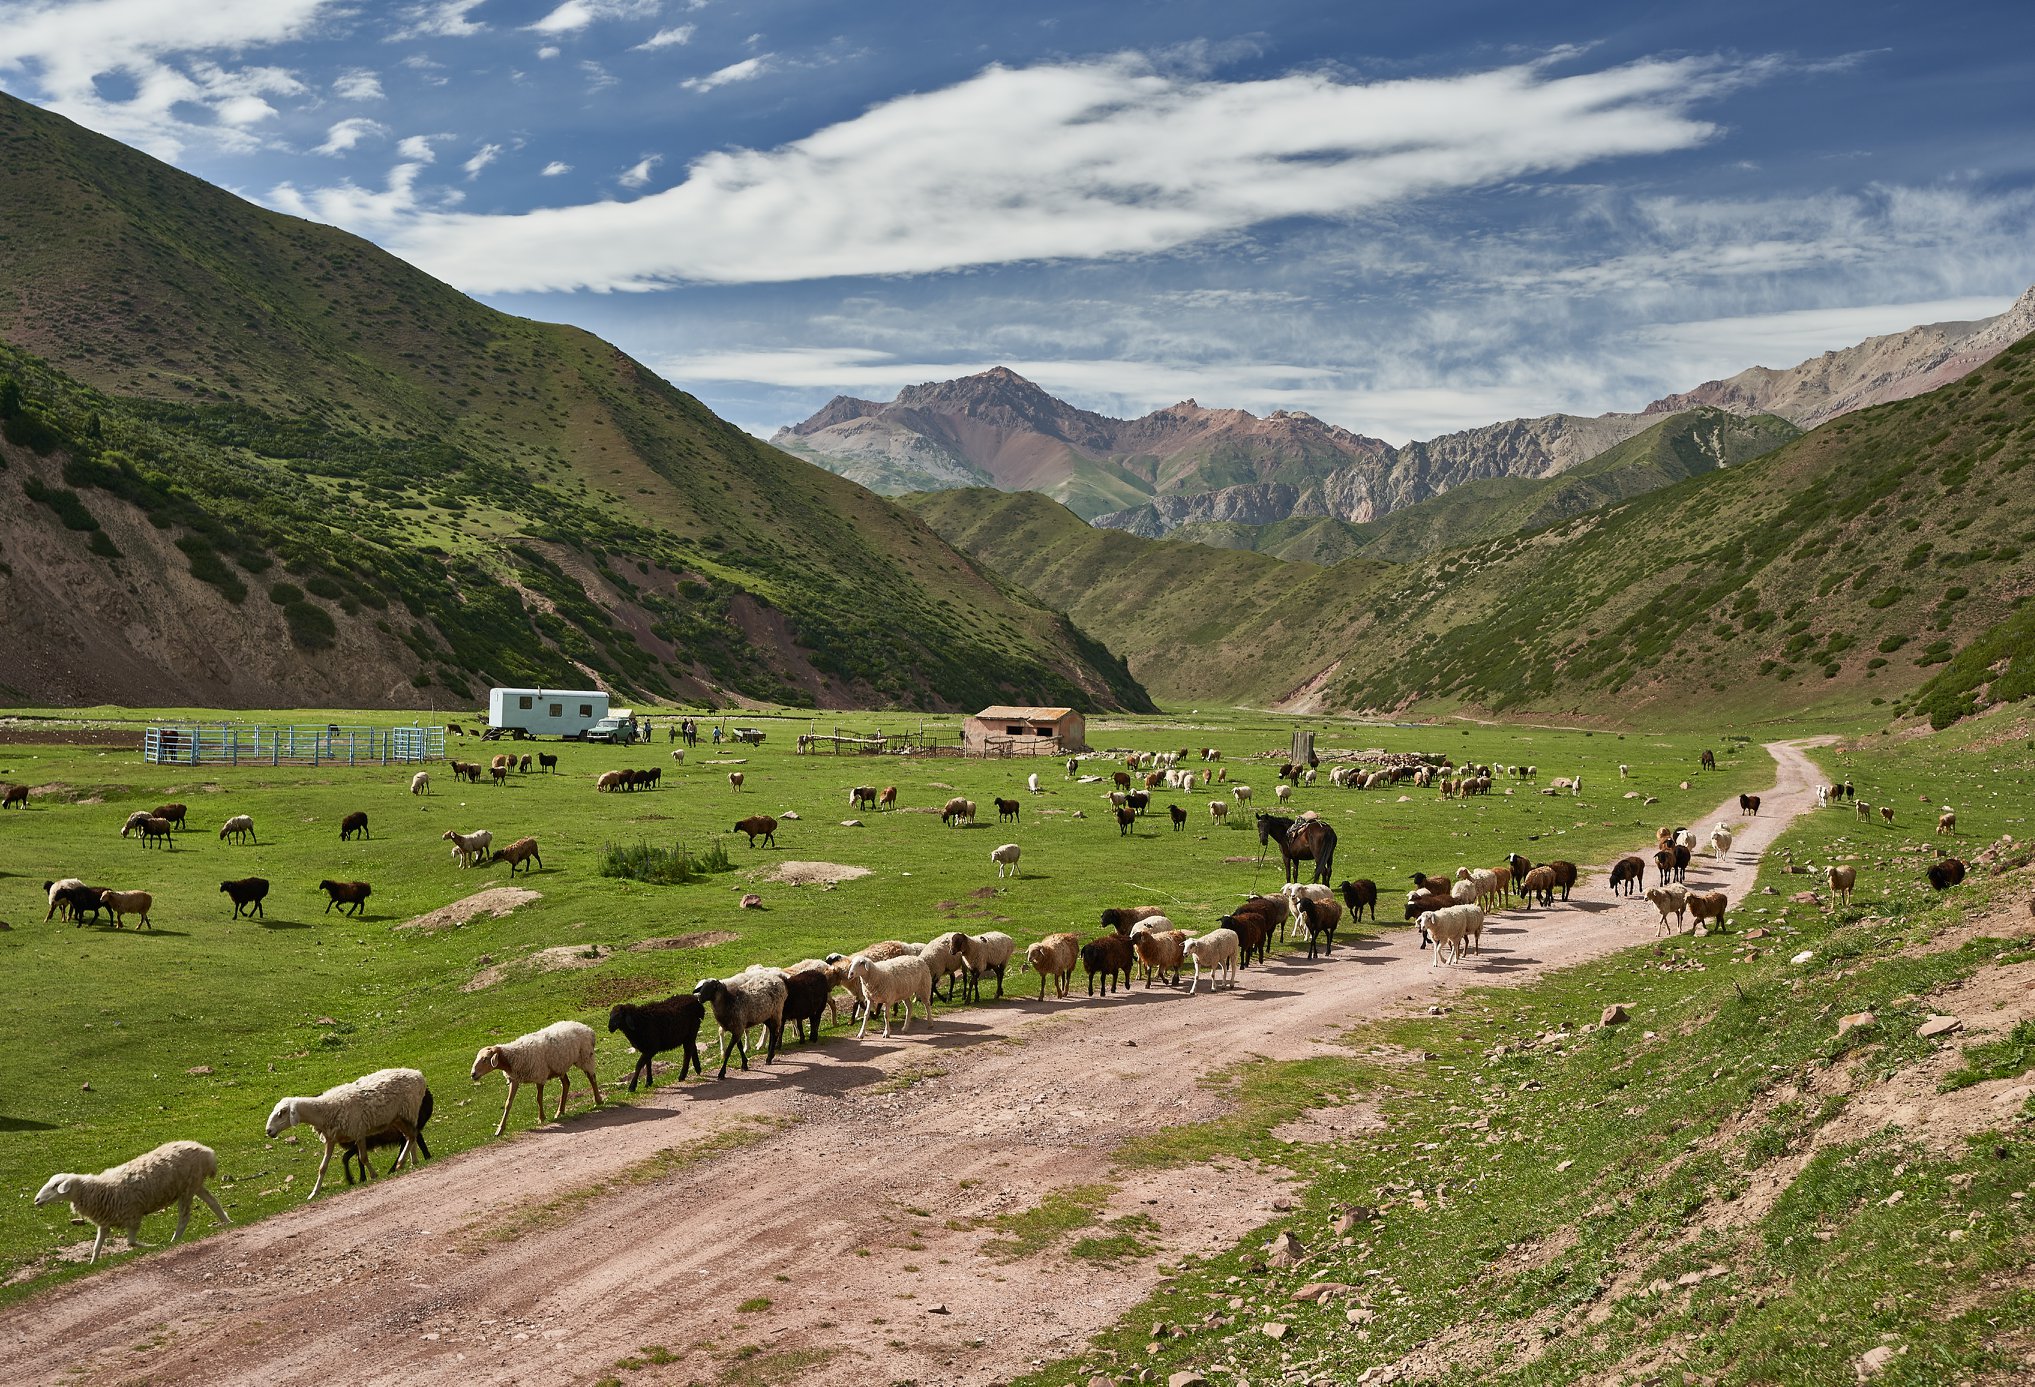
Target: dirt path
{"points": [[547, 1257]]}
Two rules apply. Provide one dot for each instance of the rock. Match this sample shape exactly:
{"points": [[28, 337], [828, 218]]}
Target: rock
{"points": [[1650, 799], [789, 814], [938, 1310], [1359, 1315], [1939, 1025], [1100, 1381], [1284, 1251], [1685, 785], [1187, 1378], [1875, 1359], [1854, 1021], [1273, 1331], [1803, 957], [324, 1021], [199, 1069], [752, 901], [1756, 933], [1563, 1166], [1318, 1291], [851, 823], [85, 1088], [1768, 891], [1805, 898], [1615, 1015]]}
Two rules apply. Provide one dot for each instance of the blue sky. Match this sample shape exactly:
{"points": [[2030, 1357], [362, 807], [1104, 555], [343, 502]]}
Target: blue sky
{"points": [[1403, 218]]}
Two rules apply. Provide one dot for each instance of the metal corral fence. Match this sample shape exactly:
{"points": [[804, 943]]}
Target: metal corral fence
{"points": [[234, 744]]}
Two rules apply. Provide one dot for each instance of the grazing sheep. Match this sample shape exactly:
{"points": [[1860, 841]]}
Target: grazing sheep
{"points": [[523, 765], [610, 781], [742, 1003], [346, 893], [1946, 874], [885, 983], [469, 848], [1842, 880], [123, 1195], [1217, 951], [888, 799], [348, 1114], [985, 953], [1121, 918], [1032, 782], [1707, 905], [957, 811], [247, 894], [1160, 948], [1282, 793], [735, 780], [172, 814], [1054, 957], [1319, 919], [1946, 822], [420, 783], [1670, 899], [1007, 810], [353, 823], [1887, 814], [1108, 954], [238, 827], [13, 797], [1358, 895], [1720, 842], [125, 903], [538, 1058], [388, 1136], [1628, 875], [758, 826], [862, 797], [520, 853], [1005, 856]]}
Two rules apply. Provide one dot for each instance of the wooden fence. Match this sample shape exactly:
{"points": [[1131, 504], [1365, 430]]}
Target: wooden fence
{"points": [[254, 744]]}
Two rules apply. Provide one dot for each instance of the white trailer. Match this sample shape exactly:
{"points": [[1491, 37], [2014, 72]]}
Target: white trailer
{"points": [[546, 712]]}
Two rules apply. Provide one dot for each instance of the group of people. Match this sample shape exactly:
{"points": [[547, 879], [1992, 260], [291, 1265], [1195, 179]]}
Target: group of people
{"points": [[688, 731]]}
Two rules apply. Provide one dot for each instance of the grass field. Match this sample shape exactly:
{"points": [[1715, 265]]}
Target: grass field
{"points": [[1723, 1191], [194, 1029]]}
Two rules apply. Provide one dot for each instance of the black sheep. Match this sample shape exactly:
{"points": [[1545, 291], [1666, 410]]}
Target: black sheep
{"points": [[247, 895], [1946, 874], [1357, 895], [1107, 954], [805, 1001], [651, 1028], [1319, 919], [1628, 874]]}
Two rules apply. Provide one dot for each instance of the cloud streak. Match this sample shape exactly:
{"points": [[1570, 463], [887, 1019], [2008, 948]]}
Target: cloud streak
{"points": [[1078, 161]]}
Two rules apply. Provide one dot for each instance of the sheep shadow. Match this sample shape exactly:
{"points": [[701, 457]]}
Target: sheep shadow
{"points": [[141, 932], [1594, 907], [267, 923]]}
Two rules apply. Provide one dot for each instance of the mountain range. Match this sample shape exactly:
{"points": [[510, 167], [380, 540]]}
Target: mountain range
{"points": [[259, 461], [1191, 466]]}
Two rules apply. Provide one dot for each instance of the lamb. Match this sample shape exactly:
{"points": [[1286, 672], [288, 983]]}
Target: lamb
{"points": [[1670, 899], [1217, 951], [1054, 957], [346, 893], [125, 903], [985, 953], [1005, 856], [745, 1001], [538, 1058], [758, 826], [238, 827], [735, 780], [1842, 880], [1628, 874], [123, 1195], [520, 853], [1160, 948], [1946, 822], [353, 823], [1707, 905], [1108, 954], [1359, 894], [957, 811], [1946, 874], [1720, 842], [469, 848], [420, 783], [247, 894], [348, 1114], [1320, 918], [388, 1136], [887, 982]]}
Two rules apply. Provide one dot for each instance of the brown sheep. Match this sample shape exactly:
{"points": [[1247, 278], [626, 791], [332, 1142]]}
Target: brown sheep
{"points": [[957, 811], [1054, 957], [1359, 894], [124, 903], [1707, 905], [1842, 879], [499, 774], [247, 895], [346, 893], [1539, 884], [758, 826], [610, 781], [353, 823], [154, 830], [888, 799], [172, 813], [1126, 821], [863, 797], [1108, 954], [1946, 874], [1121, 918], [523, 764], [1007, 810], [1565, 872], [735, 780], [1178, 815], [1887, 814], [502, 762], [520, 853], [1628, 875], [547, 762], [1946, 822], [13, 795]]}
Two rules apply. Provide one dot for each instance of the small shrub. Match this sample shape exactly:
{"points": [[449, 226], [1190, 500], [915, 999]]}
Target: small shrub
{"points": [[311, 626], [676, 865], [283, 594]]}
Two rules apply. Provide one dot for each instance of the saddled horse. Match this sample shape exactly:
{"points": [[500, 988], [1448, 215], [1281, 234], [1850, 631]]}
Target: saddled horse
{"points": [[1300, 840]]}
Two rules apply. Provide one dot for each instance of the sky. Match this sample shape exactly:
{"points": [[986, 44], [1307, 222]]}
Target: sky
{"points": [[1402, 218]]}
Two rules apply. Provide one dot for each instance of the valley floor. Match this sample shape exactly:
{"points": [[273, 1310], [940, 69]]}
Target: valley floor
{"points": [[854, 1212]]}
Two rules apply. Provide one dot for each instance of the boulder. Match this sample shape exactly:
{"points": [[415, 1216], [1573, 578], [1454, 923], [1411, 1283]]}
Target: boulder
{"points": [[1939, 1025], [1854, 1021]]}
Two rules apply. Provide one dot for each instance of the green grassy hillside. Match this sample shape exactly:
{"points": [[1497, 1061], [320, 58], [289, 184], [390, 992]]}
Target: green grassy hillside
{"points": [[453, 494], [1315, 540]]}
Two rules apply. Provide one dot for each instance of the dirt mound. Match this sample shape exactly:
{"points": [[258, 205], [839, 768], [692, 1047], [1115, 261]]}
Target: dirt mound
{"points": [[815, 873], [494, 902], [549, 960], [701, 939]]}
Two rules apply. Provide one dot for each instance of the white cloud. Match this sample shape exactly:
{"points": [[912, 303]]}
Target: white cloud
{"points": [[357, 84], [417, 148], [574, 15], [638, 173], [598, 78], [1717, 347], [348, 133], [1077, 161], [556, 167], [747, 70], [438, 19], [549, 50], [669, 38], [482, 157]]}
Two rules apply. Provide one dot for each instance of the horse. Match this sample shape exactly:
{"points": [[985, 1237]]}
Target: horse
{"points": [[1302, 839]]}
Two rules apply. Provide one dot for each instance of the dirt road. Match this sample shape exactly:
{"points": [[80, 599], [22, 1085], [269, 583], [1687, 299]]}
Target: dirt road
{"points": [[844, 1221]]}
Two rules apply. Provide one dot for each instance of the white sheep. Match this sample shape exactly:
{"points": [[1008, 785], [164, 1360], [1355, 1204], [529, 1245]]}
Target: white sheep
{"points": [[1242, 793], [1032, 782], [1161, 948], [1720, 842], [1283, 793], [1671, 899], [1624, 771], [944, 958], [56, 891], [121, 1197], [348, 1114], [986, 953], [1307, 777], [1218, 810], [1005, 856], [238, 827], [886, 982], [420, 783], [1217, 951], [1450, 928], [470, 848], [538, 1058]]}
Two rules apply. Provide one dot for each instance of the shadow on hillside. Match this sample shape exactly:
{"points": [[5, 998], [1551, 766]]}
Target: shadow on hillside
{"points": [[25, 1124]]}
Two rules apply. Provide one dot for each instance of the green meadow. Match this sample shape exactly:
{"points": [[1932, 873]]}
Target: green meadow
{"points": [[127, 1038]]}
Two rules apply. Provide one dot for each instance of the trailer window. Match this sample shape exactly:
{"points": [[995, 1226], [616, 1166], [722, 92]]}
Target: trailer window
{"points": [[557, 709], [586, 710], [523, 702]]}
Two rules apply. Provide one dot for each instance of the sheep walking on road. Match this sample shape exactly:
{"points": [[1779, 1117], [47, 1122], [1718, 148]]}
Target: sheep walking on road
{"points": [[348, 1114], [538, 1058], [122, 1196]]}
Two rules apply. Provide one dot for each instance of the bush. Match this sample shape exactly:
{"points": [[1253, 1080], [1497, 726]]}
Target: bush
{"points": [[311, 626], [208, 567], [676, 865]]}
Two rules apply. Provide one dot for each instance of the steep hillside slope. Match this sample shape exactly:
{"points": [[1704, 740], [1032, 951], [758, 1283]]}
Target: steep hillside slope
{"points": [[1878, 370], [444, 495], [1884, 557], [1315, 541]]}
